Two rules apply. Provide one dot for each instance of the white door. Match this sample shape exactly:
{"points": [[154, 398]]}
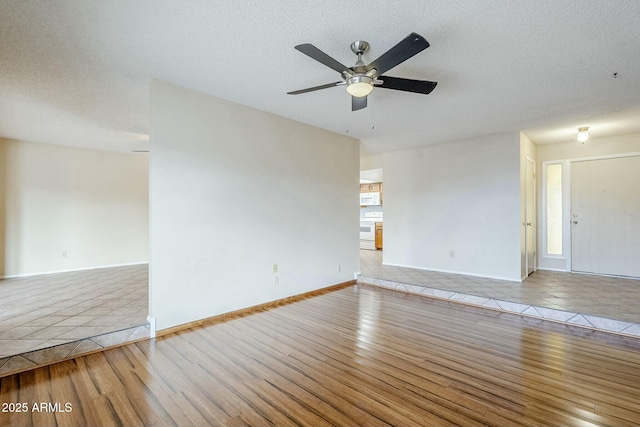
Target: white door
{"points": [[530, 215], [605, 216]]}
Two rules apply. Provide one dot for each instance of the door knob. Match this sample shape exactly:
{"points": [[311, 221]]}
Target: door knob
{"points": [[574, 221], [529, 224]]}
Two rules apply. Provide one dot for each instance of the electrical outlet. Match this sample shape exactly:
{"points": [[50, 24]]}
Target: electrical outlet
{"points": [[276, 280], [65, 254], [452, 254], [339, 268], [274, 268]]}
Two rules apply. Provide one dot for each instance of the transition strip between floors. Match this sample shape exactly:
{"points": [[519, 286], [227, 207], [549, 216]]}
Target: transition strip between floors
{"points": [[582, 320]]}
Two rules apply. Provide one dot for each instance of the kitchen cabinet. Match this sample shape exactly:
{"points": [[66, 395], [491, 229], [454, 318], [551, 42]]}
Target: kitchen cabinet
{"points": [[378, 235], [375, 187]]}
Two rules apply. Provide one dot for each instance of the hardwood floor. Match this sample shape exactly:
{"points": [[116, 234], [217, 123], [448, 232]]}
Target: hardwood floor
{"points": [[356, 356]]}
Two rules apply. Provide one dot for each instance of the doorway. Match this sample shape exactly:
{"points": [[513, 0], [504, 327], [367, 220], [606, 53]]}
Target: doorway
{"points": [[605, 216], [371, 209]]}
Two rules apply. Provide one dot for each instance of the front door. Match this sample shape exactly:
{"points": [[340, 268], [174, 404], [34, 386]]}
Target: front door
{"points": [[605, 216]]}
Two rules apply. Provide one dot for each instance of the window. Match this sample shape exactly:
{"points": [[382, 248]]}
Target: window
{"points": [[554, 209]]}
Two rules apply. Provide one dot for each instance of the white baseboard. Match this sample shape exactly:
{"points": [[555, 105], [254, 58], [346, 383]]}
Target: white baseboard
{"points": [[553, 269], [14, 276], [152, 326], [605, 275], [464, 273]]}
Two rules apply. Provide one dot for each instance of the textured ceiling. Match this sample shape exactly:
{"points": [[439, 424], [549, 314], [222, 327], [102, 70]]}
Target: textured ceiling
{"points": [[77, 72]]}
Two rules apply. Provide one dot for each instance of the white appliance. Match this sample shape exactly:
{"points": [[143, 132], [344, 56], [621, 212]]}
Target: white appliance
{"points": [[368, 230], [370, 199]]}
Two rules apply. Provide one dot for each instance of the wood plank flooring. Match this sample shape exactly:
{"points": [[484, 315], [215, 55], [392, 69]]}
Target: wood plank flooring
{"points": [[356, 356]]}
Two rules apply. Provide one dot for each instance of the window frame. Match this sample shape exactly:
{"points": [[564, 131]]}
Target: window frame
{"points": [[564, 200]]}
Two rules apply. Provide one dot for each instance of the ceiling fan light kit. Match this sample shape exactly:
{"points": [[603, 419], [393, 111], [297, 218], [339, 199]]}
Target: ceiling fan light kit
{"points": [[361, 79], [359, 86]]}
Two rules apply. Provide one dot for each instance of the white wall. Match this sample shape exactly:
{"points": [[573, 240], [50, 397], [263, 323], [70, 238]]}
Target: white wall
{"points": [[375, 161], [235, 190], [91, 205], [455, 207], [565, 153]]}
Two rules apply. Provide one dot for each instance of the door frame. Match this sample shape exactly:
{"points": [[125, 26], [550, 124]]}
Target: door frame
{"points": [[562, 262], [530, 198]]}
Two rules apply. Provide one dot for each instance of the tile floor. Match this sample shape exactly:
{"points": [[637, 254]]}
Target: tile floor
{"points": [[48, 310], [44, 356], [608, 297]]}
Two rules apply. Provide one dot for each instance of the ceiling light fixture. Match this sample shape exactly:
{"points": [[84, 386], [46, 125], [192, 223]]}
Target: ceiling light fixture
{"points": [[359, 86], [583, 134]]}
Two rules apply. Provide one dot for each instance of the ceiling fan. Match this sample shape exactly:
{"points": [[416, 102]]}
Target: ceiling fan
{"points": [[361, 79]]}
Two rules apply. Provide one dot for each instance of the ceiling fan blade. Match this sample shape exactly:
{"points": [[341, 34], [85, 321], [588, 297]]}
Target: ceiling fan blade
{"points": [[358, 103], [409, 46], [311, 89], [407, 85], [315, 53]]}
